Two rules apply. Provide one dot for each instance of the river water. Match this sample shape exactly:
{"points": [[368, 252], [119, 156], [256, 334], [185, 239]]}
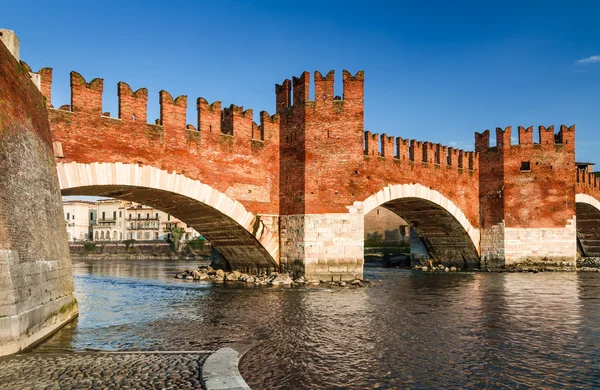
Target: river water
{"points": [[413, 330]]}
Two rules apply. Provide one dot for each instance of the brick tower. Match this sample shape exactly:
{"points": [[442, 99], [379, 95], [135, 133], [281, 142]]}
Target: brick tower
{"points": [[321, 150], [527, 197]]}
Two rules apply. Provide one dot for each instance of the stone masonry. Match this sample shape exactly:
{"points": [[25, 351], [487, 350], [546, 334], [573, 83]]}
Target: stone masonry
{"points": [[36, 285]]}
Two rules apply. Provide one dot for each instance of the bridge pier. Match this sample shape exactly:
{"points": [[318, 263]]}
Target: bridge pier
{"points": [[323, 246], [36, 284], [504, 246]]}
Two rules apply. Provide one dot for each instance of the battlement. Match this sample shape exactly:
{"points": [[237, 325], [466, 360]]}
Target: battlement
{"points": [[296, 92], [397, 148], [547, 136], [589, 180], [86, 99]]}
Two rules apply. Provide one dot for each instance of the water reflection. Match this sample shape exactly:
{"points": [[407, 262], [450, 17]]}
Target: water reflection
{"points": [[415, 330]]}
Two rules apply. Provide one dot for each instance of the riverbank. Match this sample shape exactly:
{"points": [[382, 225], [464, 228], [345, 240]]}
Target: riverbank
{"points": [[136, 250], [139, 370]]}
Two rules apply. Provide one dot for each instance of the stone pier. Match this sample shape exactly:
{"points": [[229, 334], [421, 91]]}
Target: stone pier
{"points": [[36, 283]]}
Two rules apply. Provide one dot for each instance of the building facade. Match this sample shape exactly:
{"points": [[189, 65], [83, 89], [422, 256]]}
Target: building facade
{"points": [[79, 216], [117, 220]]}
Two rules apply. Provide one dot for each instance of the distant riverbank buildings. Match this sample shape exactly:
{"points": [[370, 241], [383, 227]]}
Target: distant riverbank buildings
{"points": [[117, 220]]}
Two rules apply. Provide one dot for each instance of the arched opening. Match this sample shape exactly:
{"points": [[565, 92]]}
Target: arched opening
{"points": [[444, 238], [240, 248], [238, 235], [439, 231], [588, 225]]}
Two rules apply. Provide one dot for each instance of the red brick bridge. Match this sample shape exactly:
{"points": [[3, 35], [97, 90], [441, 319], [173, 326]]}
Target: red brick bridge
{"points": [[291, 192]]}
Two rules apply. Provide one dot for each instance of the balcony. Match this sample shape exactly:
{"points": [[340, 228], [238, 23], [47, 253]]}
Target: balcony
{"points": [[106, 221], [143, 219]]}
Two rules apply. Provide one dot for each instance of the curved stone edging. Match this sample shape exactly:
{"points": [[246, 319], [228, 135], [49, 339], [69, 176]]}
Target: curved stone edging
{"points": [[397, 191], [584, 198], [220, 371], [73, 175]]}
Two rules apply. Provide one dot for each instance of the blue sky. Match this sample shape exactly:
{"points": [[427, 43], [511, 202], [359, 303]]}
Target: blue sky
{"points": [[434, 70]]}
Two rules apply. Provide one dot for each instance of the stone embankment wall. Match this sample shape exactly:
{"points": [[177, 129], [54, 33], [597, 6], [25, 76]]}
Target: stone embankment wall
{"points": [[136, 251], [36, 284]]}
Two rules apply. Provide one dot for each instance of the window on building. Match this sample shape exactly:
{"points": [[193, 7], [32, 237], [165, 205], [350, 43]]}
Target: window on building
{"points": [[147, 235], [138, 215], [139, 235], [114, 215], [526, 166], [73, 216], [147, 215], [103, 215], [156, 235], [129, 215], [156, 215], [121, 236], [68, 216], [119, 214], [91, 216], [169, 217]]}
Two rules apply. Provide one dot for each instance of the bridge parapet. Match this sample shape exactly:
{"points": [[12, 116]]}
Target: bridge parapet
{"points": [[227, 149], [419, 152], [588, 183]]}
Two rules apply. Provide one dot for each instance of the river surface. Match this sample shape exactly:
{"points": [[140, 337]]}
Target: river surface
{"points": [[413, 330]]}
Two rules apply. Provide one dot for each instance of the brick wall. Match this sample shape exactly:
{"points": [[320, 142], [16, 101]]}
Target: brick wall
{"points": [[36, 286]]}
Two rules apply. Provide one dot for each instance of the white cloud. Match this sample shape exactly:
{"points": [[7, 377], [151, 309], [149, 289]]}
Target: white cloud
{"points": [[589, 60]]}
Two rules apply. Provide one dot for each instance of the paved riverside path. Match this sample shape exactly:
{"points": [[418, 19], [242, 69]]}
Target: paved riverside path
{"points": [[133, 370]]}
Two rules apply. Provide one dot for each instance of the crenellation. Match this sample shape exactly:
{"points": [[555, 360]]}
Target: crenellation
{"points": [[283, 95], [86, 97], [444, 156], [301, 88], [371, 144], [133, 106], [354, 87], [237, 122], [172, 112], [566, 136], [402, 149], [546, 135], [269, 126], [525, 135], [503, 137], [324, 87], [209, 116], [482, 141], [387, 146]]}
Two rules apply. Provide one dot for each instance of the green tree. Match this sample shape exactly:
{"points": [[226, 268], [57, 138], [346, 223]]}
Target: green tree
{"points": [[176, 234]]}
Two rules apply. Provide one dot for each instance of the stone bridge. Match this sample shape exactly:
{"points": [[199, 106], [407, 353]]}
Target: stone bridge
{"points": [[291, 192]]}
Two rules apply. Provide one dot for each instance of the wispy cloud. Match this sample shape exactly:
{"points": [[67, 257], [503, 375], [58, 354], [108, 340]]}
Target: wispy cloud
{"points": [[588, 60]]}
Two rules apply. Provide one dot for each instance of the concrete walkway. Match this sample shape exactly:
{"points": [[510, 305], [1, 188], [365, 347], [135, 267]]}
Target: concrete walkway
{"points": [[124, 370]]}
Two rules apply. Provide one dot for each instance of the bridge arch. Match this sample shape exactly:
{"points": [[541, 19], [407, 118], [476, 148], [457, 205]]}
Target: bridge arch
{"points": [[588, 224], [239, 235], [445, 230]]}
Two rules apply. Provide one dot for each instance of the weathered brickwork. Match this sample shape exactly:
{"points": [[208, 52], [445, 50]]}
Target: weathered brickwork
{"points": [[36, 285]]}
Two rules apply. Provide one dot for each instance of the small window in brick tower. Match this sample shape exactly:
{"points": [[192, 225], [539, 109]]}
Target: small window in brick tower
{"points": [[525, 166]]}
